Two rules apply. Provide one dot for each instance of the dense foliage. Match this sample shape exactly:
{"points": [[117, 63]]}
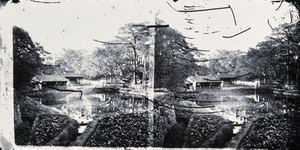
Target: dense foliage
{"points": [[124, 58], [201, 129], [163, 118], [72, 60], [277, 58], [174, 59], [26, 58], [175, 137], [228, 62], [46, 127], [22, 132], [125, 130], [272, 132]]}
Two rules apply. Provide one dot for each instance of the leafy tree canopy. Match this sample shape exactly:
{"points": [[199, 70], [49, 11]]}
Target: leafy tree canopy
{"points": [[26, 58], [174, 58]]}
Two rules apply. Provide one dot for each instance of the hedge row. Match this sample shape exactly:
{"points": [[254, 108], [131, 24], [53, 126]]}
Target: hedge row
{"points": [[273, 132], [125, 130]]}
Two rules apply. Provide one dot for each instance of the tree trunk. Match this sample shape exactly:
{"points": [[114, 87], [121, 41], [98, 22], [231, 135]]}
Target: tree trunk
{"points": [[144, 72], [298, 75], [135, 58]]}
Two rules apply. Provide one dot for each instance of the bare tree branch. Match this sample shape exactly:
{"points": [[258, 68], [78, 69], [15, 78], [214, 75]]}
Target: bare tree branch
{"points": [[95, 64], [185, 36], [204, 60], [237, 33], [200, 50], [109, 42], [193, 49]]}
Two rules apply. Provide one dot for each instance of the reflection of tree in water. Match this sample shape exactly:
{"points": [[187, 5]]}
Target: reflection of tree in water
{"points": [[246, 108], [115, 104]]}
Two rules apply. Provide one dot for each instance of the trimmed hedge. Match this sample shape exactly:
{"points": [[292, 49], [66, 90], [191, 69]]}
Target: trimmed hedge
{"points": [[273, 132], [207, 131], [22, 133], [125, 130], [163, 119], [53, 129], [175, 136]]}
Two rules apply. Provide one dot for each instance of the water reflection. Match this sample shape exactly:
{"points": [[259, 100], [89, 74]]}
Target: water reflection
{"points": [[240, 107], [117, 103], [98, 105]]}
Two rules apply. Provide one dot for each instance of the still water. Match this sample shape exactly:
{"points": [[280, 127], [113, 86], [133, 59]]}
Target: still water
{"points": [[237, 105], [241, 105], [94, 106]]}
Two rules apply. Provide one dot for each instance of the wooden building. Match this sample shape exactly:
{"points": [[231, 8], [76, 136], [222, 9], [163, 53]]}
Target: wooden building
{"points": [[46, 81], [195, 83], [72, 76], [229, 80]]}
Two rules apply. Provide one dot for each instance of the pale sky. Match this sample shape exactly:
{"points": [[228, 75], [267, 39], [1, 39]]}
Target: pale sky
{"points": [[248, 13], [74, 24]]}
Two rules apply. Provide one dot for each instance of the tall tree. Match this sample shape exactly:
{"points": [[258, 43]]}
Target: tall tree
{"points": [[114, 61], [277, 58], [136, 39], [174, 58], [72, 59], [26, 58], [231, 62]]}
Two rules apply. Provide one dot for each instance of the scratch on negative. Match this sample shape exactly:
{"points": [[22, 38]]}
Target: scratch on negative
{"points": [[208, 9], [45, 2], [237, 33], [270, 25], [279, 5]]}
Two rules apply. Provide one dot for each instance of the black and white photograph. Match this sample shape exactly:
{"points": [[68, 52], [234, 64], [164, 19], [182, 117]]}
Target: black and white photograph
{"points": [[82, 72], [142, 74]]}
